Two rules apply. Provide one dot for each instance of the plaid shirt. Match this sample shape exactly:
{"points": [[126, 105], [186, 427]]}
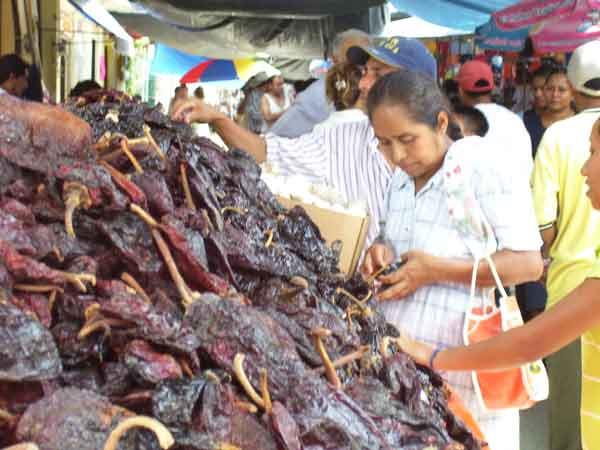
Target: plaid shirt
{"points": [[436, 313]]}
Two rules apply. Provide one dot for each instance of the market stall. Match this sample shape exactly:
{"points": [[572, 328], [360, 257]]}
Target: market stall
{"points": [[150, 280]]}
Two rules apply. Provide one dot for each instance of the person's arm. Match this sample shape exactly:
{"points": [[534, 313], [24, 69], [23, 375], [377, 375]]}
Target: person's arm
{"points": [[232, 134], [547, 333], [422, 269], [265, 109], [548, 236], [546, 185], [513, 268]]}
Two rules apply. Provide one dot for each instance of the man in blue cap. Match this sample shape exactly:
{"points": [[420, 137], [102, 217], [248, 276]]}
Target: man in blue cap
{"points": [[344, 156]]}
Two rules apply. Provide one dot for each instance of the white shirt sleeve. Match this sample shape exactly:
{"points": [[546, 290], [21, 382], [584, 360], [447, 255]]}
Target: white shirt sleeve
{"points": [[306, 155], [506, 201]]}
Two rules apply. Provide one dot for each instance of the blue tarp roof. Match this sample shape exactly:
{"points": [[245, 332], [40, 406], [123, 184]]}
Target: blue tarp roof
{"points": [[460, 14], [170, 61]]}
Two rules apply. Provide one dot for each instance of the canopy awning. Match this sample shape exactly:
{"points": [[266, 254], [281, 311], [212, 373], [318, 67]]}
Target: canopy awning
{"points": [[415, 27], [96, 12], [458, 14]]}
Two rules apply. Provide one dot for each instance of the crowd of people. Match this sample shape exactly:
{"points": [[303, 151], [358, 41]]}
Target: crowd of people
{"points": [[385, 136], [379, 128], [20, 79]]}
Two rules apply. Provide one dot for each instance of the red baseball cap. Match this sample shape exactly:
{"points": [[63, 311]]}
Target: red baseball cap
{"points": [[475, 76]]}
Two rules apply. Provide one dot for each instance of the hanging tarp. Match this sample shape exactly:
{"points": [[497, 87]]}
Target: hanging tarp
{"points": [[233, 36], [415, 27], [530, 12], [288, 8], [169, 61], [490, 37], [460, 14], [553, 25], [567, 32], [95, 11]]}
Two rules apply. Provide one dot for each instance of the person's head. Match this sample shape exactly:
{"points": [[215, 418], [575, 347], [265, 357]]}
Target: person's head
{"points": [[181, 92], [475, 82], [538, 80], [13, 74], [557, 91], [450, 88], [346, 39], [471, 121], [584, 74], [591, 169], [84, 86], [391, 55], [199, 93], [275, 85], [411, 118], [341, 86]]}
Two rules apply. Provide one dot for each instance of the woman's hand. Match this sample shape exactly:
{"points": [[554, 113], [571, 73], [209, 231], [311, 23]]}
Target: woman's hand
{"points": [[419, 351], [417, 271], [194, 110], [378, 256]]}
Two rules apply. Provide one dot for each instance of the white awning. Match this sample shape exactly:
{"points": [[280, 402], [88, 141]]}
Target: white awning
{"points": [[413, 27], [94, 11]]}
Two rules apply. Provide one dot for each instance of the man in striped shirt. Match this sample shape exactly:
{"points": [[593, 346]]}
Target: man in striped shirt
{"points": [[345, 156]]}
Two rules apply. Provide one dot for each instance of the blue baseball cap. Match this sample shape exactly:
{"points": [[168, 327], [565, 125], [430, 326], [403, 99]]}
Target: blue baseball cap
{"points": [[400, 52]]}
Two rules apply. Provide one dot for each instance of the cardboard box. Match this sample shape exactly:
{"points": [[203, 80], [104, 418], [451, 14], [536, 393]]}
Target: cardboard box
{"points": [[336, 226]]}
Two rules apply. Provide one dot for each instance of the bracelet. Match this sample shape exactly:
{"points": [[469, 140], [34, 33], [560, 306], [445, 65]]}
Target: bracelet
{"points": [[433, 356]]}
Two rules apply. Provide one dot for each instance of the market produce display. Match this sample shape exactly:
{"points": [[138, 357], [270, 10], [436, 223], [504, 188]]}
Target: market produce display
{"points": [[154, 294]]}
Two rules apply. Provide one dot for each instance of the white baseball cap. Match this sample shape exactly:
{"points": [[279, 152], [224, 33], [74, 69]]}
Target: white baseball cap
{"points": [[584, 68]]}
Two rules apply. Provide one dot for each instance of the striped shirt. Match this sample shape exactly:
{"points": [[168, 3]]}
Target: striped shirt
{"points": [[421, 221], [344, 156]]}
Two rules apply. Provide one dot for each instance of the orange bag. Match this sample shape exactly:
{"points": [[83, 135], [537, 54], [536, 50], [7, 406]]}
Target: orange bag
{"points": [[507, 389], [520, 387]]}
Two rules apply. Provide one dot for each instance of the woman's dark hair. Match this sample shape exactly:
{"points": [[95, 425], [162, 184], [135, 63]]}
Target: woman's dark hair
{"points": [[474, 120], [556, 71], [34, 91], [544, 70], [341, 85], [84, 86], [12, 64], [419, 95]]}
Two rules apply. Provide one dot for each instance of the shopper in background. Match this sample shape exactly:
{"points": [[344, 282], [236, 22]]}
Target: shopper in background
{"points": [[429, 295], [476, 83], [84, 86], [13, 75], [341, 86], [450, 88], [570, 229], [275, 101], [181, 94], [532, 118], [249, 113], [558, 96], [199, 93], [311, 106], [471, 121]]}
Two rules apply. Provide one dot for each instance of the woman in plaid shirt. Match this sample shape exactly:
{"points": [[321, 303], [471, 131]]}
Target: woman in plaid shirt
{"points": [[428, 295]]}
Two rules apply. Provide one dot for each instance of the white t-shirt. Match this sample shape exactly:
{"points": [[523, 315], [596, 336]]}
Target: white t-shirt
{"points": [[508, 134]]}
